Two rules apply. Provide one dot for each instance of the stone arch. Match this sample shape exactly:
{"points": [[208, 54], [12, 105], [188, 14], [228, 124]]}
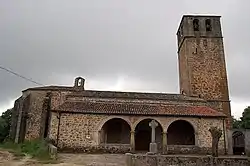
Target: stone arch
{"points": [[238, 142], [133, 126], [185, 119], [113, 117], [181, 132], [143, 134], [115, 131]]}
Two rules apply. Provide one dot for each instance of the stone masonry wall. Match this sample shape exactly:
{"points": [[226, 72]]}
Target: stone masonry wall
{"points": [[53, 127], [33, 124], [175, 160], [19, 119], [203, 70], [83, 130], [79, 130], [207, 67], [24, 117], [14, 119], [205, 136]]}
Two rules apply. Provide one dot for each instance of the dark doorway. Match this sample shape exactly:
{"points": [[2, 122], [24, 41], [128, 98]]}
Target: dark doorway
{"points": [[115, 131], [180, 132], [238, 143], [143, 135]]}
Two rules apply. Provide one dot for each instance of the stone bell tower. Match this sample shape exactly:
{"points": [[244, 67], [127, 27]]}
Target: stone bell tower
{"points": [[202, 67]]}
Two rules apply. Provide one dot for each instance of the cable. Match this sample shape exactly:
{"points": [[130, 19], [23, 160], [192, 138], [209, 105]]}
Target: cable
{"points": [[23, 77]]}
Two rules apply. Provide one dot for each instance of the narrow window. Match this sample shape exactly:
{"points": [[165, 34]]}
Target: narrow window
{"points": [[208, 25], [196, 24]]}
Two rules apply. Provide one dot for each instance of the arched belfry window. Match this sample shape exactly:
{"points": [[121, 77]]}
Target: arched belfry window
{"points": [[196, 25], [208, 25], [79, 83]]}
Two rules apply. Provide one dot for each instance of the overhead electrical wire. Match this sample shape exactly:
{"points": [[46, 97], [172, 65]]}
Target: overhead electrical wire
{"points": [[19, 75]]}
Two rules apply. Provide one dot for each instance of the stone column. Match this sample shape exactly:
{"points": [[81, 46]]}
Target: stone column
{"points": [[132, 140], [164, 141]]}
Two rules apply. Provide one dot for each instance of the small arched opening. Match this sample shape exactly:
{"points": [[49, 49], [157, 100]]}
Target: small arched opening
{"points": [[238, 143], [115, 131], [180, 132], [143, 135]]}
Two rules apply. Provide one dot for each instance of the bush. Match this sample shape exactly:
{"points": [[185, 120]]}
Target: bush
{"points": [[35, 148]]}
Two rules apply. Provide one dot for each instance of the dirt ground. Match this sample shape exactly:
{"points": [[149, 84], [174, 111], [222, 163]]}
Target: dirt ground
{"points": [[8, 159]]}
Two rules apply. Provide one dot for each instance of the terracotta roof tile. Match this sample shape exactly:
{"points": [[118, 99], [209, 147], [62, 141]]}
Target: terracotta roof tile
{"points": [[139, 109]]}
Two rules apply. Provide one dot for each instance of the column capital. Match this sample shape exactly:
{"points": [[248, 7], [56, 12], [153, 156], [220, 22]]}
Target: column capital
{"points": [[132, 131], [164, 132]]}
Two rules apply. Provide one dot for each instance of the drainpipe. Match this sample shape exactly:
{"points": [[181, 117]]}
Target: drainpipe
{"points": [[58, 128], [224, 136]]}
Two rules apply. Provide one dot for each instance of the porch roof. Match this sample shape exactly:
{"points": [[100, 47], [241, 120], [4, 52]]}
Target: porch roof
{"points": [[139, 109]]}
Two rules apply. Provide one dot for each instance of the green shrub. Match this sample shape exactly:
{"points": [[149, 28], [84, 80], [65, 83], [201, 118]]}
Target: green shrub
{"points": [[35, 148]]}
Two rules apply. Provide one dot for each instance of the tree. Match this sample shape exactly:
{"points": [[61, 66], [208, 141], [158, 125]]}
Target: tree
{"points": [[237, 124], [245, 119], [216, 133], [5, 122]]}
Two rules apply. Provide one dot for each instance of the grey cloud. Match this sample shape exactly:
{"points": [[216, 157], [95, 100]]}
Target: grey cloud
{"points": [[54, 41]]}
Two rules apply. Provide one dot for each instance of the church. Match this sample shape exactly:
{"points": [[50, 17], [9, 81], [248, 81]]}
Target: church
{"points": [[77, 119]]}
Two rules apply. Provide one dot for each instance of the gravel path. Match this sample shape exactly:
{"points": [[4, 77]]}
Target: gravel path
{"points": [[65, 159]]}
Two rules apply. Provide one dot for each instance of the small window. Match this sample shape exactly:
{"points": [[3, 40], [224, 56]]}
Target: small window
{"points": [[208, 25], [196, 25]]}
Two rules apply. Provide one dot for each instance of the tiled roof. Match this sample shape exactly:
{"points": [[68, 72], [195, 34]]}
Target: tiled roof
{"points": [[117, 94], [139, 109]]}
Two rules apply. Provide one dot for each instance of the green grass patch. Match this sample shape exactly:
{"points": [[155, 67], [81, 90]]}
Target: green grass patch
{"points": [[36, 149]]}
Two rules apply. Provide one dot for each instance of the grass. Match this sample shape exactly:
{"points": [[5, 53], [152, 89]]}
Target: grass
{"points": [[37, 149]]}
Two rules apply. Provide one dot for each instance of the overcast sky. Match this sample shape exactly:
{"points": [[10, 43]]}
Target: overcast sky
{"points": [[127, 45]]}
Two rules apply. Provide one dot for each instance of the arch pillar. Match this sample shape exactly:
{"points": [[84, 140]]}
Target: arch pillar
{"points": [[164, 141], [132, 140], [196, 138]]}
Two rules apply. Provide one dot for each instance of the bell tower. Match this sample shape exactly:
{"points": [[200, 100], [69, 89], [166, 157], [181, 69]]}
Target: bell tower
{"points": [[202, 66]]}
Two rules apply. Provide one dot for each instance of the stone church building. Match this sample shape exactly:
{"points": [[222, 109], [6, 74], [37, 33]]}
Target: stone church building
{"points": [[77, 119]]}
